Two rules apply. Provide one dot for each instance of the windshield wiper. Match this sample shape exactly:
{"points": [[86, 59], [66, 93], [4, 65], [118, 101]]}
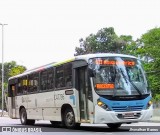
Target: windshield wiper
{"points": [[130, 82]]}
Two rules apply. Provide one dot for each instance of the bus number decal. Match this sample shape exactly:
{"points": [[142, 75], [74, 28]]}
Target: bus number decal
{"points": [[59, 97], [25, 99]]}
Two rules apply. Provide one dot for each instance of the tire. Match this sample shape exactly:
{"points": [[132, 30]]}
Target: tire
{"points": [[23, 118], [69, 119], [114, 125]]}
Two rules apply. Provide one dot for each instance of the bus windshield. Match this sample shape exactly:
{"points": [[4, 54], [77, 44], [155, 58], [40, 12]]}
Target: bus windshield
{"points": [[118, 76]]}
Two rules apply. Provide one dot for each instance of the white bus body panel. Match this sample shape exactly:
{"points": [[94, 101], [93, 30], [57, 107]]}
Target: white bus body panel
{"points": [[46, 103], [33, 112], [11, 111], [103, 116]]}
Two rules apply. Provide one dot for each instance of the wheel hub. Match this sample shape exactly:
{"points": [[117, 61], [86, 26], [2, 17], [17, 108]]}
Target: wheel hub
{"points": [[23, 117], [70, 118]]}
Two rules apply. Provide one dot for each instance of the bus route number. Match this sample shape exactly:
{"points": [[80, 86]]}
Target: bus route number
{"points": [[59, 97]]}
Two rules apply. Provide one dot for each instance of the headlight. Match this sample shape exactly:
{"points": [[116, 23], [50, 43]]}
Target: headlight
{"points": [[103, 105], [149, 104], [100, 103]]}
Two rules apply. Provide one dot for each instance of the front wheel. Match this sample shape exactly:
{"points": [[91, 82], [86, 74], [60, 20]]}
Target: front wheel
{"points": [[69, 119], [23, 118], [114, 125]]}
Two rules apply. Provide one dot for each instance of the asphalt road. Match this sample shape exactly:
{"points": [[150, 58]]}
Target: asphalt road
{"points": [[44, 127]]}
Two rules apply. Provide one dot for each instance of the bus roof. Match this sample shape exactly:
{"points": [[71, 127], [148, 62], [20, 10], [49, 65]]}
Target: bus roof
{"points": [[85, 57], [88, 56]]}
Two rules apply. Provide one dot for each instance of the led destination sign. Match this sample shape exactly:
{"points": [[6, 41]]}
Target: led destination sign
{"points": [[105, 86], [113, 62]]}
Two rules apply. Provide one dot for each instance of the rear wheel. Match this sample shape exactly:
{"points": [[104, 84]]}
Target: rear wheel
{"points": [[114, 125], [23, 118], [69, 119]]}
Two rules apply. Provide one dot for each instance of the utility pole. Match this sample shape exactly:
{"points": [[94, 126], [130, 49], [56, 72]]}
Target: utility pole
{"points": [[2, 68]]}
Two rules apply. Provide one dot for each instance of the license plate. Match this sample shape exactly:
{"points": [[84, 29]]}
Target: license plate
{"points": [[128, 115]]}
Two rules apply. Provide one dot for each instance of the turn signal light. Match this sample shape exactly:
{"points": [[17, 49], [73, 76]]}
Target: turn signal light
{"points": [[100, 103]]}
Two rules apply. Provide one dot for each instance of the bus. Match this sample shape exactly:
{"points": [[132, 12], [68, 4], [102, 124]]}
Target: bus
{"points": [[103, 88]]}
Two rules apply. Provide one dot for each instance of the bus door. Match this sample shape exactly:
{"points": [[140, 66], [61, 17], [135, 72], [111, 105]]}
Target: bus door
{"points": [[84, 94], [12, 100]]}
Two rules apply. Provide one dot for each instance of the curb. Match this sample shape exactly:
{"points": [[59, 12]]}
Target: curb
{"points": [[155, 119], [5, 114]]}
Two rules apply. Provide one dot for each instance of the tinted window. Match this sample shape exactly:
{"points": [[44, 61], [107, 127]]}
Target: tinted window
{"points": [[44, 80], [33, 80], [59, 77], [19, 89], [22, 85], [68, 75], [64, 75], [50, 78]]}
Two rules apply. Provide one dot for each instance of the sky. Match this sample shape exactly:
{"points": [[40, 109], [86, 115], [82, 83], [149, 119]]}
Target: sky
{"points": [[45, 31]]}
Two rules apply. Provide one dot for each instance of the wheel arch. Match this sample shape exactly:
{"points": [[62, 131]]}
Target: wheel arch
{"points": [[63, 108], [20, 109]]}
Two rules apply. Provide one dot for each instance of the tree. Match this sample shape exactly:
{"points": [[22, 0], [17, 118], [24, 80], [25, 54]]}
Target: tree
{"points": [[7, 68], [149, 50], [17, 70], [104, 41], [128, 44]]}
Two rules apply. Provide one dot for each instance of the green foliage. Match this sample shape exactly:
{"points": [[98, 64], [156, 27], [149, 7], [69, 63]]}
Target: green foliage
{"points": [[150, 51], [156, 99], [16, 70], [151, 41], [129, 46], [104, 41]]}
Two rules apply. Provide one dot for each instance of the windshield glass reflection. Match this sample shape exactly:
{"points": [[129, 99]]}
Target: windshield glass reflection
{"points": [[119, 76]]}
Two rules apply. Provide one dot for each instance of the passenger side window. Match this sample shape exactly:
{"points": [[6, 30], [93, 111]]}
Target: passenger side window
{"points": [[44, 80], [22, 85], [68, 74], [19, 89], [59, 77], [33, 80], [50, 79]]}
